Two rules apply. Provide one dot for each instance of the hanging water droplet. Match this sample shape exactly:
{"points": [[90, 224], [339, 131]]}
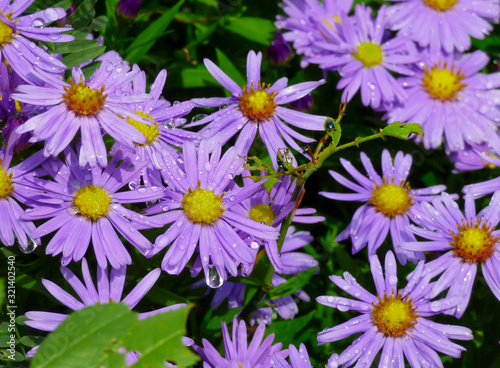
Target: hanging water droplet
{"points": [[223, 106], [213, 278], [169, 124], [198, 117], [38, 23], [30, 248]]}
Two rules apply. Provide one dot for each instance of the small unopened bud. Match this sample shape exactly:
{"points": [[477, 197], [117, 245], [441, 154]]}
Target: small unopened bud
{"points": [[129, 8], [280, 51], [302, 104]]}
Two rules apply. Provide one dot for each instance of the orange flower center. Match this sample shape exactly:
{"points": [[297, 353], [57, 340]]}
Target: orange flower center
{"points": [[440, 5], [442, 83], [258, 104], [393, 315], [391, 199], [82, 99], [474, 243]]}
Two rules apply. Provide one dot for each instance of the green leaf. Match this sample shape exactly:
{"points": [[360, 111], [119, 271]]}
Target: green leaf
{"points": [[214, 323], [31, 341], [255, 29], [82, 56], [225, 64], [285, 331], [402, 130], [74, 46], [292, 284], [81, 339], [147, 38], [333, 130], [269, 184], [99, 23], [196, 77], [83, 14], [158, 339]]}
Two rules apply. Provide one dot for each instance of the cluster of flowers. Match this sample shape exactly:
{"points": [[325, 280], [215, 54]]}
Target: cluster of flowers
{"points": [[440, 85], [188, 181]]}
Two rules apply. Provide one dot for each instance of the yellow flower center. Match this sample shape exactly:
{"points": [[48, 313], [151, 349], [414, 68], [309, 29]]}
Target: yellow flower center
{"points": [[257, 104], [92, 202], [474, 243], [369, 54], [442, 83], [391, 199], [82, 99], [149, 131], [335, 18], [6, 33], [202, 206], [262, 213], [394, 316], [6, 186], [440, 5]]}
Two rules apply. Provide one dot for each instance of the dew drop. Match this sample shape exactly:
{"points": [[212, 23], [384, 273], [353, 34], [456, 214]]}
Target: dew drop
{"points": [[198, 117], [213, 278], [169, 124], [30, 248]]}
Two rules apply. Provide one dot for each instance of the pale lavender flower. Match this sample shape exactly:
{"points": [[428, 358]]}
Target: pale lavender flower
{"points": [[449, 98], [109, 290], [306, 22], [237, 352], [293, 263], [85, 106], [474, 157], [489, 186], [12, 225], [389, 204], [85, 206], [257, 107], [469, 238], [298, 358], [444, 25], [355, 47], [392, 321], [22, 54], [163, 133], [199, 207]]}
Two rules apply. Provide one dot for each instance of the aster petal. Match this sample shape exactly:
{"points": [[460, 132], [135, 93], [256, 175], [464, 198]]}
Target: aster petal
{"points": [[222, 78], [135, 296]]}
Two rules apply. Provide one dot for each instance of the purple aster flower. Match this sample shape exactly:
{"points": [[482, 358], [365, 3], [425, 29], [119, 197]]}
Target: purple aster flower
{"points": [[293, 263], [475, 157], [489, 186], [237, 353], [393, 320], [85, 206], [444, 24], [163, 132], [109, 290], [129, 8], [12, 225], [389, 204], [63, 21], [298, 358], [87, 106], [256, 107], [200, 208], [22, 54], [448, 97], [355, 47], [306, 21], [470, 240], [280, 51]]}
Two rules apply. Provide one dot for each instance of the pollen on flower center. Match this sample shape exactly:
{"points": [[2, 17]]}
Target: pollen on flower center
{"points": [[258, 104], [6, 33], [6, 186], [149, 131], [474, 243], [391, 199], [440, 5], [393, 315], [442, 83], [369, 54], [84, 100], [92, 202], [262, 213], [202, 206]]}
